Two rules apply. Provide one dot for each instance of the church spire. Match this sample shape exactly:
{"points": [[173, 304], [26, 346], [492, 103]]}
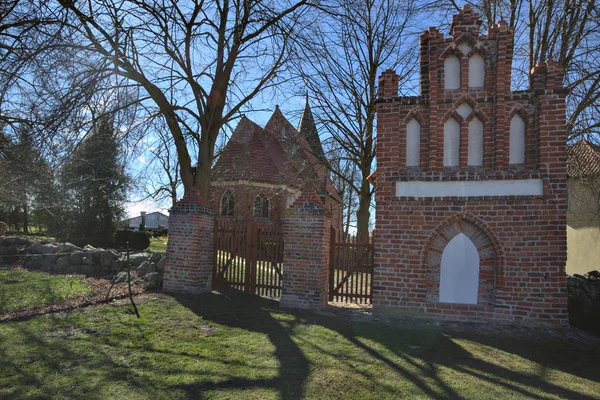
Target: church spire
{"points": [[308, 129]]}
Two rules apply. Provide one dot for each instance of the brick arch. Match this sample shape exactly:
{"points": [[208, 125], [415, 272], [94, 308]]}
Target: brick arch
{"points": [[491, 255], [531, 140]]}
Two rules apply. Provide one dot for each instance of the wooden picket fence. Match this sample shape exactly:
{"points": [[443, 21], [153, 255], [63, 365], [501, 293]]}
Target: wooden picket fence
{"points": [[351, 268], [248, 257]]}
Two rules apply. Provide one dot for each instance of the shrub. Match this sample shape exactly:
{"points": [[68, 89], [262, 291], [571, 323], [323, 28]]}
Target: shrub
{"points": [[137, 240]]}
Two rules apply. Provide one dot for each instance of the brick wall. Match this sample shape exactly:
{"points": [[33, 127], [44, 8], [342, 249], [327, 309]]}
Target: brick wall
{"points": [[190, 250], [521, 240], [306, 230]]}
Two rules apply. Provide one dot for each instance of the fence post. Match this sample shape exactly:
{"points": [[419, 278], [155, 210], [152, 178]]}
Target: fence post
{"points": [[306, 230], [190, 250], [332, 251]]}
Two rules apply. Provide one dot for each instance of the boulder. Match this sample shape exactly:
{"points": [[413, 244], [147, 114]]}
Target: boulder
{"points": [[87, 270], [35, 261], [155, 257], [161, 264], [88, 247], [62, 263], [151, 268], [9, 241], [87, 258], [44, 248], [106, 258], [116, 265], [121, 277], [48, 263], [76, 257], [67, 247], [141, 270], [73, 269], [152, 280], [137, 259]]}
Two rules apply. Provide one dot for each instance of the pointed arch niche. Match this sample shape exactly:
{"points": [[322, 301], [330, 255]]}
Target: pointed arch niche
{"points": [[451, 73], [464, 261], [413, 143]]}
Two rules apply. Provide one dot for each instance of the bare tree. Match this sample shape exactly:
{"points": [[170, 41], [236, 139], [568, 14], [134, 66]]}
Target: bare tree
{"points": [[197, 64], [343, 54]]}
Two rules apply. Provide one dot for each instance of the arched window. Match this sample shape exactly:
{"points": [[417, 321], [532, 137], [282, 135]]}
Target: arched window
{"points": [[476, 71], [413, 143], [516, 151], [459, 271], [451, 73], [451, 143], [261, 206], [475, 155], [227, 204]]}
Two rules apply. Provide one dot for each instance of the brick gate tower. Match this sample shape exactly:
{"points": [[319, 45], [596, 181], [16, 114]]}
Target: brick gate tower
{"points": [[471, 183]]}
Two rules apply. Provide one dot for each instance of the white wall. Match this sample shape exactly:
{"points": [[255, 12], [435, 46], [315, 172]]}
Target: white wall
{"points": [[476, 71], [475, 155], [500, 187], [413, 143], [452, 73], [451, 143], [459, 271], [516, 152]]}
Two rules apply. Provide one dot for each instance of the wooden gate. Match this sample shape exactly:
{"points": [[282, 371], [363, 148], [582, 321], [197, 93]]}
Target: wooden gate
{"points": [[248, 257], [351, 268]]}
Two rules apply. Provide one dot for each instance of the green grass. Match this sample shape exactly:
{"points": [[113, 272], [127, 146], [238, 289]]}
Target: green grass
{"points": [[230, 347], [158, 244], [25, 289]]}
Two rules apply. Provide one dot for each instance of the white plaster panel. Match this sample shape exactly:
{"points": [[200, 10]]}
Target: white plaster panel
{"points": [[413, 143], [464, 110], [452, 73], [451, 143], [475, 155], [459, 271], [501, 187], [476, 71], [516, 152], [465, 48]]}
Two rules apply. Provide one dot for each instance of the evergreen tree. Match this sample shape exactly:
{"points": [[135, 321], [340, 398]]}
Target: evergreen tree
{"points": [[96, 184]]}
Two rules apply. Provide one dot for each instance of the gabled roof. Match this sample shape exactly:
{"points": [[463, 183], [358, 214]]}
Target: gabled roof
{"points": [[277, 154], [583, 159], [251, 155], [309, 167]]}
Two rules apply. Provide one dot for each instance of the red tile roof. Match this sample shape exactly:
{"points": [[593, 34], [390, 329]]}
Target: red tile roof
{"points": [[277, 154], [583, 159]]}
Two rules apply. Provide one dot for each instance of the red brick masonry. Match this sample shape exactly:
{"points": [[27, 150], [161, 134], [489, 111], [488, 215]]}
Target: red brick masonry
{"points": [[521, 240]]}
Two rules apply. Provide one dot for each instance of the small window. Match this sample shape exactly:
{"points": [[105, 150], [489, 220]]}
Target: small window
{"points": [[475, 155], [261, 206], [413, 143], [451, 143], [476, 71], [227, 204], [516, 151], [452, 73]]}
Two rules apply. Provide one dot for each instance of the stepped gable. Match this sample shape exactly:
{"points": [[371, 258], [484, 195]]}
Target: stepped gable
{"points": [[308, 130], [298, 150], [245, 156], [583, 159]]}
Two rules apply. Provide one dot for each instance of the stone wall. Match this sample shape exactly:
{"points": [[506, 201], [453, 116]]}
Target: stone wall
{"points": [[513, 214], [66, 258]]}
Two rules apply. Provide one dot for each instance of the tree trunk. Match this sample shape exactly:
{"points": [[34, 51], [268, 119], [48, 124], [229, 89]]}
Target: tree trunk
{"points": [[363, 214], [25, 218]]}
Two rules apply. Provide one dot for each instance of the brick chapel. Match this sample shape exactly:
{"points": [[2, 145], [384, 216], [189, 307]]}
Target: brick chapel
{"points": [[261, 172], [471, 183]]}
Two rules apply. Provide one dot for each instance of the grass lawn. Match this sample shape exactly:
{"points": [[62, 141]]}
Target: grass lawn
{"points": [[158, 244], [25, 289], [230, 347]]}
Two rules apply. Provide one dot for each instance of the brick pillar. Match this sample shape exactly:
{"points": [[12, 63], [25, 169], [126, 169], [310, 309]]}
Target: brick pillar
{"points": [[190, 250], [2, 229], [306, 231]]}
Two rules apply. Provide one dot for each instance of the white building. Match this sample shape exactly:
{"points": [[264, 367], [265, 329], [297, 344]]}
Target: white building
{"points": [[153, 220]]}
